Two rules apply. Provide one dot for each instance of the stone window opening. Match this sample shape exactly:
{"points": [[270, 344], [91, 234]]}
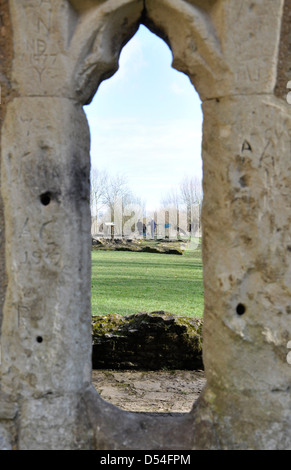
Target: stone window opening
{"points": [[122, 375]]}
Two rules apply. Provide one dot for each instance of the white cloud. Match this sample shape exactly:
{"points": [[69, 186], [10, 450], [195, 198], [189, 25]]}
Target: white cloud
{"points": [[176, 88], [123, 137]]}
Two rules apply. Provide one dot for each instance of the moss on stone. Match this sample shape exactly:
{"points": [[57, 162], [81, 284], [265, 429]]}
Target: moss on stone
{"points": [[143, 340]]}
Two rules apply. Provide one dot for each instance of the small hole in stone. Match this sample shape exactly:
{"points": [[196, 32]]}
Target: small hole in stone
{"points": [[39, 339], [240, 309], [45, 199], [243, 181]]}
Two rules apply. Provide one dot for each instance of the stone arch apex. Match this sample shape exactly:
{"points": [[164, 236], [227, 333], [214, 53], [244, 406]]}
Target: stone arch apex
{"points": [[103, 31]]}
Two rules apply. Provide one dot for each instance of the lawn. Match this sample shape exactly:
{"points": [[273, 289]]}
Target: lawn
{"points": [[126, 282]]}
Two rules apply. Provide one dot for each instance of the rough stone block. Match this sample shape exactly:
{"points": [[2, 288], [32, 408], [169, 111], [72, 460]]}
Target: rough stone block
{"points": [[147, 341]]}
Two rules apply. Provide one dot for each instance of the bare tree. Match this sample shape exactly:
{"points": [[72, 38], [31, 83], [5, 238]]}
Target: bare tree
{"points": [[191, 191], [172, 198], [97, 180], [191, 196], [96, 189], [110, 194], [116, 188], [186, 200]]}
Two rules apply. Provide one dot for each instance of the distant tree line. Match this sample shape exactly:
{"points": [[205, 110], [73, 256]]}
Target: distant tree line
{"points": [[114, 204], [186, 199], [106, 191]]}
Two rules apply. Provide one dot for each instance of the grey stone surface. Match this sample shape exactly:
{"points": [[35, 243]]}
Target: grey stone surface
{"points": [[5, 439]]}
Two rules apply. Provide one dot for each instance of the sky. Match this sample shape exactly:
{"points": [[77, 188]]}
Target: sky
{"points": [[146, 121]]}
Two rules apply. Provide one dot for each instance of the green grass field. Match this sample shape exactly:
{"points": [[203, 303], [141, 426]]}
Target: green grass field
{"points": [[126, 282]]}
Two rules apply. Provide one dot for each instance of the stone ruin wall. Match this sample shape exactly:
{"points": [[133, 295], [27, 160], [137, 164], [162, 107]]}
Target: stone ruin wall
{"points": [[53, 56]]}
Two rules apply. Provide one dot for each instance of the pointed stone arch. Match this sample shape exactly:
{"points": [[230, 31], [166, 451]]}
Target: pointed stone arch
{"points": [[196, 49]]}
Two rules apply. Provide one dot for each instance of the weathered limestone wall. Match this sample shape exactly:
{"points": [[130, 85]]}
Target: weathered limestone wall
{"points": [[237, 55], [6, 53], [284, 58]]}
